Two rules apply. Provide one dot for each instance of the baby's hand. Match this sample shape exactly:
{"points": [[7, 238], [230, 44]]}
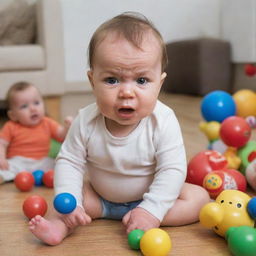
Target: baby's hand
{"points": [[68, 121], [4, 164], [138, 218], [76, 218]]}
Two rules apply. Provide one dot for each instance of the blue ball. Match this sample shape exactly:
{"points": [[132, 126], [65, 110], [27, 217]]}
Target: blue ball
{"points": [[251, 208], [64, 203], [217, 106], [38, 176]]}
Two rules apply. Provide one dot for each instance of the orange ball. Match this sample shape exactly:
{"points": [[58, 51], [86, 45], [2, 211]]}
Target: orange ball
{"points": [[245, 102], [24, 181], [48, 178], [34, 205]]}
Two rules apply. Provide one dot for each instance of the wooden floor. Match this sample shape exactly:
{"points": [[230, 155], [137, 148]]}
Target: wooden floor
{"points": [[104, 237]]}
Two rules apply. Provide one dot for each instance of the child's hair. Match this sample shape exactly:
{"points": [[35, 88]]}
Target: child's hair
{"points": [[133, 27], [17, 87]]}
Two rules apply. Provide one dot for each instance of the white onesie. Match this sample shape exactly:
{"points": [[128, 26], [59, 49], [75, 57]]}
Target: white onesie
{"points": [[148, 164]]}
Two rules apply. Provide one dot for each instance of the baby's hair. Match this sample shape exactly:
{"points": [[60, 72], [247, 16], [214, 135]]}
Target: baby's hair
{"points": [[132, 26], [17, 87]]}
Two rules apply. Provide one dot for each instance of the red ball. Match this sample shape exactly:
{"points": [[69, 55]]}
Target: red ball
{"points": [[202, 164], [250, 70], [24, 181], [48, 178], [235, 131], [34, 205]]}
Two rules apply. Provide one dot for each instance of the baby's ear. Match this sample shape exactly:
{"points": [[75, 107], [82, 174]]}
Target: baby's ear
{"points": [[90, 75], [11, 115]]}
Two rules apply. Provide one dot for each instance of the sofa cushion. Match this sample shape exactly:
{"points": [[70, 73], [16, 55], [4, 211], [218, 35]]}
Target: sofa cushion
{"points": [[22, 57], [17, 22]]}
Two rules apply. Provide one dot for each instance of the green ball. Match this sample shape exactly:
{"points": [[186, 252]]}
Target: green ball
{"points": [[134, 238], [242, 241]]}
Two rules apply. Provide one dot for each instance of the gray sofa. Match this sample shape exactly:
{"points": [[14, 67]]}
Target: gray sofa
{"points": [[41, 63]]}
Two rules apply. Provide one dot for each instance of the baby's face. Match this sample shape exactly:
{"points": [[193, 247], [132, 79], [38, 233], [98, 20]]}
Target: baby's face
{"points": [[27, 107], [126, 80]]}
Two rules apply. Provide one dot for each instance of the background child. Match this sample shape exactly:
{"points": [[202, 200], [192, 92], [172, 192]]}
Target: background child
{"points": [[129, 143], [25, 138]]}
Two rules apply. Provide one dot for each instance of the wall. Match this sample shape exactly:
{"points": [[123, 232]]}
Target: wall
{"points": [[175, 19]]}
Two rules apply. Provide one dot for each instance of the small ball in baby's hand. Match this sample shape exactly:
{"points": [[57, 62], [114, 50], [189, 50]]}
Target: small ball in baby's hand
{"points": [[64, 203]]}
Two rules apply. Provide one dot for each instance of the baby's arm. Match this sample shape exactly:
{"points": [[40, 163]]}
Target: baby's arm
{"points": [[139, 218], [3, 161], [62, 132]]}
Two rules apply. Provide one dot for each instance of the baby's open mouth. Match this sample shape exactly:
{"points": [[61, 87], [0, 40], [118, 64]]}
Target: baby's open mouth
{"points": [[126, 110]]}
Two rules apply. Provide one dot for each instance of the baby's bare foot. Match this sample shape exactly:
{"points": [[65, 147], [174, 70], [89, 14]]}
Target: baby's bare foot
{"points": [[50, 232]]}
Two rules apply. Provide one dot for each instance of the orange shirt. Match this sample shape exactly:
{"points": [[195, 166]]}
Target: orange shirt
{"points": [[32, 142]]}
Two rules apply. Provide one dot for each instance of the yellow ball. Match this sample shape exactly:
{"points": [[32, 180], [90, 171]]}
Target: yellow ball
{"points": [[245, 102], [155, 242]]}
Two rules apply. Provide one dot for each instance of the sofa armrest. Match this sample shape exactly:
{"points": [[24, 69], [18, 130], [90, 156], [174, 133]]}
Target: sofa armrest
{"points": [[50, 36]]}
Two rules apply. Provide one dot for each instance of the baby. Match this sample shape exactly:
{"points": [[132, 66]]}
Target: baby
{"points": [[128, 142], [25, 138]]}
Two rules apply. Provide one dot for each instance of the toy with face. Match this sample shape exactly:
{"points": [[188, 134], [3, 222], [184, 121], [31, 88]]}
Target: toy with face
{"points": [[203, 163], [229, 210]]}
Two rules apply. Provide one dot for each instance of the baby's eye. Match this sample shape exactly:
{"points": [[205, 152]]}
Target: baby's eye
{"points": [[23, 106], [111, 80], [37, 102], [142, 80]]}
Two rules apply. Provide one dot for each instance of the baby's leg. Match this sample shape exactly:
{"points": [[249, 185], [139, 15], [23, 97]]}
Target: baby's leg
{"points": [[187, 207], [54, 230], [6, 176], [51, 232]]}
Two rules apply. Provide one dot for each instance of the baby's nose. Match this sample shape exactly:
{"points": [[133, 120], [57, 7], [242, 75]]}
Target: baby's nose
{"points": [[126, 91]]}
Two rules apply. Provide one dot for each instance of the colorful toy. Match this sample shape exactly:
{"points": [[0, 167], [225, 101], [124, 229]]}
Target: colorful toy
{"points": [[234, 161], [64, 203], [24, 181], [48, 178], [210, 129], [235, 131], [251, 208], [155, 242], [203, 163], [34, 205], [134, 238], [251, 120], [242, 241], [250, 174], [217, 181], [250, 70], [229, 210], [38, 176], [247, 154], [245, 103], [217, 106]]}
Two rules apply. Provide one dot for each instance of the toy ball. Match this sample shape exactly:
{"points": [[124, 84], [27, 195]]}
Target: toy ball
{"points": [[235, 131], [242, 241], [64, 203], [210, 129], [251, 208], [203, 163], [155, 242], [24, 181], [217, 106], [250, 174], [229, 210], [34, 205], [48, 178], [38, 176], [250, 70], [251, 120], [247, 154], [134, 238], [217, 181], [245, 103]]}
